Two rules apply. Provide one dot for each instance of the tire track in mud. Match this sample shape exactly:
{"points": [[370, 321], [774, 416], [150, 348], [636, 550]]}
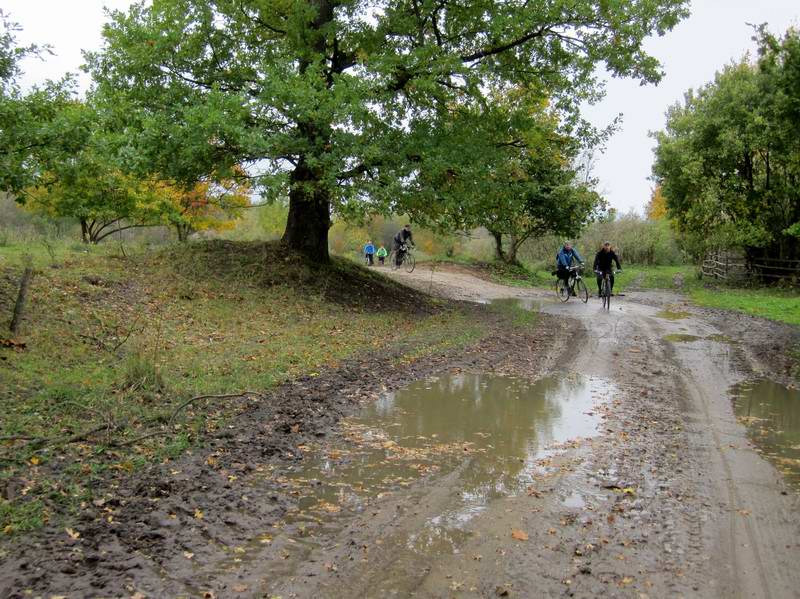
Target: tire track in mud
{"points": [[733, 501]]}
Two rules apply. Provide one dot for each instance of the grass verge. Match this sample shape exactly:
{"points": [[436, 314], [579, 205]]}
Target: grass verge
{"points": [[774, 304]]}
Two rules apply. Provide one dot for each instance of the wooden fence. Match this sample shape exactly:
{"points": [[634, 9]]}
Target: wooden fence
{"points": [[734, 267]]}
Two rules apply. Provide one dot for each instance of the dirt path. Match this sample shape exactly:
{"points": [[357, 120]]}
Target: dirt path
{"points": [[667, 499], [673, 500]]}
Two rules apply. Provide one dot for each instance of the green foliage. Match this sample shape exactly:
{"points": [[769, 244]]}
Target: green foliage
{"points": [[636, 241], [33, 124], [729, 160], [89, 183], [341, 104], [528, 186], [272, 219]]}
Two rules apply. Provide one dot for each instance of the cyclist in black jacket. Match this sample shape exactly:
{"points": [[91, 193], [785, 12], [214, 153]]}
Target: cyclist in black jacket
{"points": [[401, 240], [602, 265]]}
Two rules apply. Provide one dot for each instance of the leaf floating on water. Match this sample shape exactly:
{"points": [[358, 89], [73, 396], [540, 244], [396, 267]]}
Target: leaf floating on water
{"points": [[188, 554], [519, 535], [331, 508], [198, 513], [239, 588]]}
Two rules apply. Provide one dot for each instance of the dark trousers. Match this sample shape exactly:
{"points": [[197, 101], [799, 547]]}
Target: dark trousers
{"points": [[381, 259], [600, 283], [399, 253], [369, 259], [563, 274]]}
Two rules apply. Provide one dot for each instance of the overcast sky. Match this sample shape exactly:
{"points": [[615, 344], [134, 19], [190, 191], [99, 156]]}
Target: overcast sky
{"points": [[716, 33]]}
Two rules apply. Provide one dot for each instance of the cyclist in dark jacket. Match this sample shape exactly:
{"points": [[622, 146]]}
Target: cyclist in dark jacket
{"points": [[401, 240], [602, 265]]}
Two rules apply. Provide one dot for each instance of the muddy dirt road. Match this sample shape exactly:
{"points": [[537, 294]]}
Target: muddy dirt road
{"points": [[591, 454], [669, 499]]}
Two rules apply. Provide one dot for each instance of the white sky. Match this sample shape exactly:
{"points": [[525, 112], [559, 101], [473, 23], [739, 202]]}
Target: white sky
{"points": [[716, 33]]}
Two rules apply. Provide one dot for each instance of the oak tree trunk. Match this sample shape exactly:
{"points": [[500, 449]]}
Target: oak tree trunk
{"points": [[309, 215]]}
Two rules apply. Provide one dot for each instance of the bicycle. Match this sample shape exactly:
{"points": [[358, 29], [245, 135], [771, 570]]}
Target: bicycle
{"points": [[574, 286], [406, 259], [605, 288]]}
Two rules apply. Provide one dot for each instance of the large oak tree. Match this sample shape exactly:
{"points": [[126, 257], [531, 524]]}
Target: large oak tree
{"points": [[326, 99]]}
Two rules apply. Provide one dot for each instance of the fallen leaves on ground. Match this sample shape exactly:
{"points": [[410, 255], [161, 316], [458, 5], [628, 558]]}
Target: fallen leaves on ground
{"points": [[519, 535]]}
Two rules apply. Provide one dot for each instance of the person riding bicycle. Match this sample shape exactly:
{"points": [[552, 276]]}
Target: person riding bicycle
{"points": [[401, 241], [602, 265], [564, 260]]}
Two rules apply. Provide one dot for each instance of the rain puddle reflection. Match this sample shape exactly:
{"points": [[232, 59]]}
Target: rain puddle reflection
{"points": [[525, 303], [681, 338], [771, 413], [673, 314], [498, 429]]}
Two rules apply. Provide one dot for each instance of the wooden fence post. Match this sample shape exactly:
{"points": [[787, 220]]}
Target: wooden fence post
{"points": [[22, 297]]}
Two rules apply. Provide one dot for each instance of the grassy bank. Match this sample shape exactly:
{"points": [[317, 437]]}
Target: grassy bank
{"points": [[775, 304], [116, 343]]}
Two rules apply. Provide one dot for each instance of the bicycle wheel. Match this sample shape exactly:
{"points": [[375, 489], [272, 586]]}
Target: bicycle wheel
{"points": [[392, 258], [562, 291], [607, 294], [409, 263], [581, 291]]}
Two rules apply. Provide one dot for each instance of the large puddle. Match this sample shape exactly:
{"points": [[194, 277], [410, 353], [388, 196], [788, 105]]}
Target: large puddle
{"points": [[496, 429], [771, 413], [467, 439]]}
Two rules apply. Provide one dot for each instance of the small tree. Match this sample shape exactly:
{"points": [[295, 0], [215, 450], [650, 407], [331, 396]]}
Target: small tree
{"points": [[208, 205], [528, 186]]}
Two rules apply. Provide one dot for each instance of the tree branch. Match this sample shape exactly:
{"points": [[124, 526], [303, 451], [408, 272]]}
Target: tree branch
{"points": [[504, 47], [140, 225]]}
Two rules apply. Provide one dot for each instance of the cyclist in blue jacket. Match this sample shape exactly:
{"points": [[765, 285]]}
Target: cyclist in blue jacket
{"points": [[564, 259]]}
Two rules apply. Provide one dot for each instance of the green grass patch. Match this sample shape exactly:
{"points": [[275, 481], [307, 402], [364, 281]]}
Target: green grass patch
{"points": [[774, 304], [20, 517], [635, 277]]}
